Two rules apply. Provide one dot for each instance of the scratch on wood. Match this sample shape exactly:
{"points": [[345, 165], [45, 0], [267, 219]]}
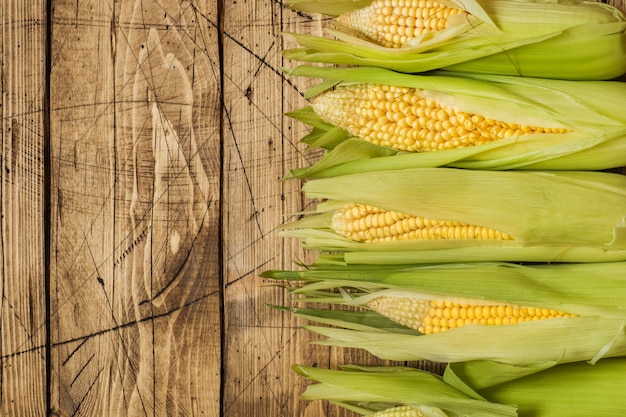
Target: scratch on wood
{"points": [[80, 371], [15, 144], [131, 247], [264, 63], [260, 371], [131, 323], [245, 174], [245, 274], [73, 352], [93, 383]]}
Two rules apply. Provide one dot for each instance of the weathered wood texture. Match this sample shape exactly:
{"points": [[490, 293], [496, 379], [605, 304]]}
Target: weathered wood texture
{"points": [[135, 135], [166, 144], [259, 146], [22, 288]]}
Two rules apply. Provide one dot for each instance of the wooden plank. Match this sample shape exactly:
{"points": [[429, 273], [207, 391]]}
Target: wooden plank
{"points": [[259, 146], [136, 172], [22, 289]]}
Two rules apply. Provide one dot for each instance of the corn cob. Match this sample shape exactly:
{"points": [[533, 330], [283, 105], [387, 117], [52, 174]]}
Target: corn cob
{"points": [[574, 40], [392, 23], [578, 310], [399, 117], [365, 223], [471, 121], [577, 389], [401, 411], [434, 316], [361, 389], [525, 216]]}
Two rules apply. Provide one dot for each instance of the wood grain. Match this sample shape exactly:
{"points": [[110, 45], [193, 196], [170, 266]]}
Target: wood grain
{"points": [[22, 290], [135, 154], [260, 145]]}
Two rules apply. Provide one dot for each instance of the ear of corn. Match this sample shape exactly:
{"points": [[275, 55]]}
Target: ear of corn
{"points": [[470, 121], [434, 316], [576, 389], [365, 223], [394, 23], [568, 40], [406, 119], [590, 298], [401, 411], [552, 216], [419, 390]]}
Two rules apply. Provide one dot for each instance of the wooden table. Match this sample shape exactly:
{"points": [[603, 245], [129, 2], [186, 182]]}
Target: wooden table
{"points": [[142, 146]]}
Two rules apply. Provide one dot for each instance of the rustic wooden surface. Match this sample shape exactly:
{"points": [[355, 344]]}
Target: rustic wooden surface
{"points": [[142, 146]]}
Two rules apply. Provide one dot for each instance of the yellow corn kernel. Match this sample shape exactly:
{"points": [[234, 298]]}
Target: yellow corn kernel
{"points": [[401, 411], [431, 316], [400, 118], [392, 23], [368, 224]]}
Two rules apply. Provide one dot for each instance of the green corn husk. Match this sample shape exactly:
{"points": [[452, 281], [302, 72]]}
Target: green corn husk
{"points": [[577, 40], [594, 292], [575, 389], [368, 390], [591, 111], [571, 390], [553, 216]]}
